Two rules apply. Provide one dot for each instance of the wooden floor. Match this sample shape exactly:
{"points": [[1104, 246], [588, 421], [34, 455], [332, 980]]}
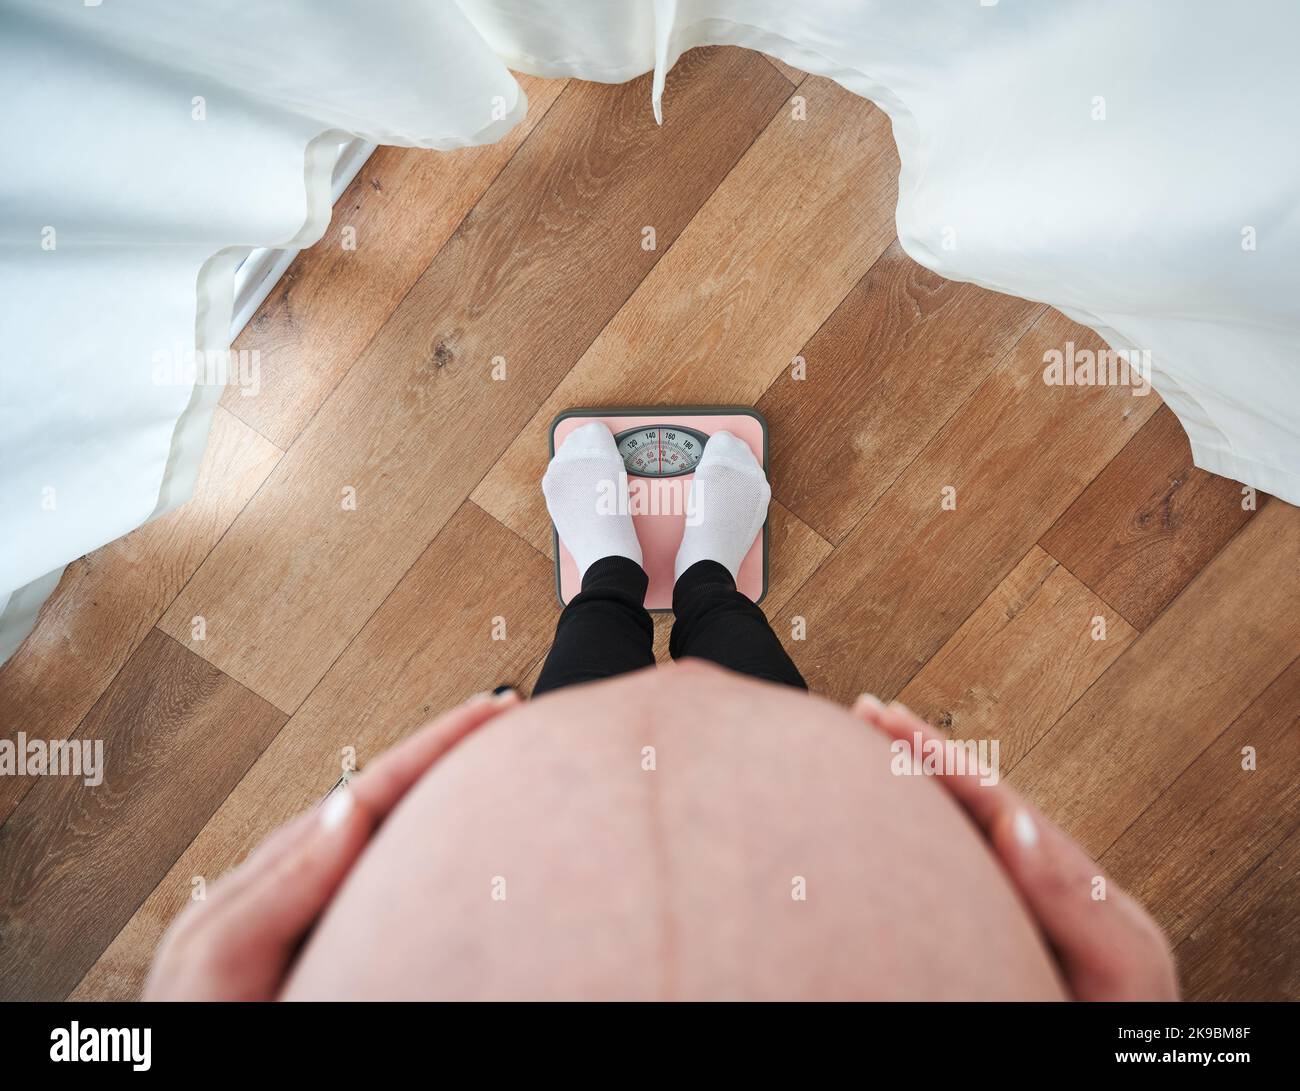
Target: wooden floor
{"points": [[325, 627]]}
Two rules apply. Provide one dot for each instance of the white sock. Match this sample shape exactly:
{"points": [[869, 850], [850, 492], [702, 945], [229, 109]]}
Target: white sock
{"points": [[729, 497], [581, 486]]}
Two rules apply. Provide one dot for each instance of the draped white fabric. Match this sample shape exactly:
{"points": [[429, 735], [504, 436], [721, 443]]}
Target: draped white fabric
{"points": [[1135, 164]]}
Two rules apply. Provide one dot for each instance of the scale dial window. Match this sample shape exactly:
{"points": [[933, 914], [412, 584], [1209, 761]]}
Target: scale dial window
{"points": [[660, 450]]}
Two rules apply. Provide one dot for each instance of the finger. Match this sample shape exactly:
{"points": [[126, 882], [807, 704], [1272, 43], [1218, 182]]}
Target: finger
{"points": [[1107, 944], [282, 892], [241, 946], [983, 801], [391, 775], [385, 781], [195, 916], [247, 931], [280, 842]]}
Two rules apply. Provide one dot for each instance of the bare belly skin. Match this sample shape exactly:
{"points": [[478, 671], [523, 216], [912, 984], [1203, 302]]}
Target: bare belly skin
{"points": [[541, 858]]}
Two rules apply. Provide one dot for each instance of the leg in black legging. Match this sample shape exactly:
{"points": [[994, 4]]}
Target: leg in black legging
{"points": [[717, 622], [604, 630]]}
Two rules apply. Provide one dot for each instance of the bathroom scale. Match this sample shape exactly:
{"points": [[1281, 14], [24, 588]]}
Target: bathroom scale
{"points": [[661, 446]]}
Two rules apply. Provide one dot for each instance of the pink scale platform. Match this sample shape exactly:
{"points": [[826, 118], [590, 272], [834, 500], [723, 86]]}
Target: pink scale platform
{"points": [[660, 446]]}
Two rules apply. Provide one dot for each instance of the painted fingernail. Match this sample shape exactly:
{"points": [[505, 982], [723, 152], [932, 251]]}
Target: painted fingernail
{"points": [[335, 809], [503, 695], [871, 701], [1025, 829]]}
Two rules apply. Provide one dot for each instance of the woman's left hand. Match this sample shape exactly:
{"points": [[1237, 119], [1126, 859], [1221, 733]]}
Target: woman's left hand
{"points": [[1107, 948], [239, 943]]}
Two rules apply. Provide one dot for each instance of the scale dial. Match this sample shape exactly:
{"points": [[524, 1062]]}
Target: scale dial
{"points": [[661, 450]]}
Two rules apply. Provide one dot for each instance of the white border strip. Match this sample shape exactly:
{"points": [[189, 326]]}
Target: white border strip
{"points": [[260, 271]]}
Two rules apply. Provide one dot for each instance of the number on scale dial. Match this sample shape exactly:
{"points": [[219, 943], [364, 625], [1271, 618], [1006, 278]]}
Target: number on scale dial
{"points": [[660, 450]]}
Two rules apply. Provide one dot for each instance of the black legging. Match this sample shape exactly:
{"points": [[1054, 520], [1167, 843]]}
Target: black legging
{"points": [[606, 630]]}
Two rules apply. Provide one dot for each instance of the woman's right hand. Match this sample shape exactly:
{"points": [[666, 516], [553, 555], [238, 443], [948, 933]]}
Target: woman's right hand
{"points": [[241, 941], [1107, 949]]}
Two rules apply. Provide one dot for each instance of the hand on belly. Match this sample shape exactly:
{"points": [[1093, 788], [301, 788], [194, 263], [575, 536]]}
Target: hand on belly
{"points": [[677, 833]]}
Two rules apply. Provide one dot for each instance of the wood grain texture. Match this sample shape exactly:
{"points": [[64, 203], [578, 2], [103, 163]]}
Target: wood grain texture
{"points": [[427, 649], [1245, 950], [108, 600], [1219, 819], [400, 209], [77, 860], [1148, 523], [1020, 660], [902, 351], [794, 75], [717, 319], [1016, 453], [1194, 670], [532, 274]]}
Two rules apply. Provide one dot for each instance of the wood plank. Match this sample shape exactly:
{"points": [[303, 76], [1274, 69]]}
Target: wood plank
{"points": [[794, 75], [1247, 950], [77, 860], [1199, 665], [400, 209], [1020, 660], [1149, 523], [108, 600], [428, 648], [1017, 453], [895, 360], [1218, 820], [811, 204], [532, 274]]}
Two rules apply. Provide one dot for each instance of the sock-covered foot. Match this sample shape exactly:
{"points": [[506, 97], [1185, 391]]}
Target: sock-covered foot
{"points": [[729, 498], [587, 498]]}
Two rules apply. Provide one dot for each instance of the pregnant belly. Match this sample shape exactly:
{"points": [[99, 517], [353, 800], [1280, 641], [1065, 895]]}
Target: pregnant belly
{"points": [[677, 833]]}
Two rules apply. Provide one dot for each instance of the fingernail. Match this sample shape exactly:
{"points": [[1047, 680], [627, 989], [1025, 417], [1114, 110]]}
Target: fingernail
{"points": [[478, 698], [335, 809], [871, 701], [1025, 829], [503, 695], [898, 706]]}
